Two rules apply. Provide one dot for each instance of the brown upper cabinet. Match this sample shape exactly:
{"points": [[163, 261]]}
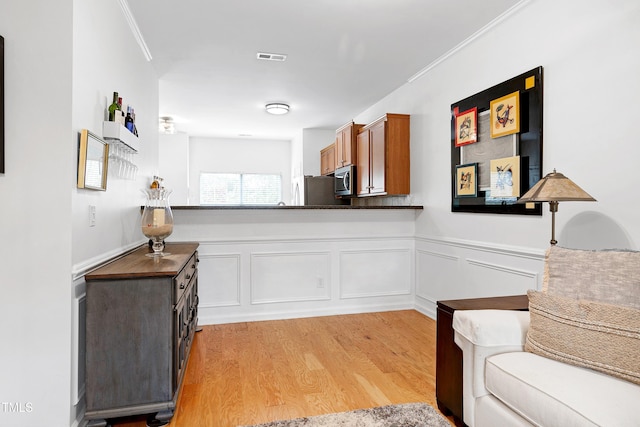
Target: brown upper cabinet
{"points": [[346, 144], [383, 160], [328, 159]]}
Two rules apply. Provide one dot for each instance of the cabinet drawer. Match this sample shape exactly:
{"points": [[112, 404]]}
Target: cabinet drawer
{"points": [[181, 281]]}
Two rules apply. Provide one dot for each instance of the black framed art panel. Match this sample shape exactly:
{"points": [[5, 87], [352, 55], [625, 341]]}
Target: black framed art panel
{"points": [[1, 104], [496, 147]]}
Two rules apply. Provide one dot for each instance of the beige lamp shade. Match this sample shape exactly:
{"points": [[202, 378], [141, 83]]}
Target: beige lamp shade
{"points": [[554, 188]]}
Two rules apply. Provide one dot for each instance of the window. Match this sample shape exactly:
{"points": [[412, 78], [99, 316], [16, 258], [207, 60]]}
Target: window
{"points": [[240, 189]]}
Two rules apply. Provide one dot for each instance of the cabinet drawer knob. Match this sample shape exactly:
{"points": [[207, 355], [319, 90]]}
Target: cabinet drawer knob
{"points": [[188, 276], [182, 285]]}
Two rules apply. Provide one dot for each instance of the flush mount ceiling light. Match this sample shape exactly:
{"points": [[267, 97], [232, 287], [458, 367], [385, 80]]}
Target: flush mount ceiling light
{"points": [[276, 108]]}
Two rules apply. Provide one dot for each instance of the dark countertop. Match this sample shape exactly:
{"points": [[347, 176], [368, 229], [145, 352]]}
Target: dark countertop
{"points": [[317, 207]]}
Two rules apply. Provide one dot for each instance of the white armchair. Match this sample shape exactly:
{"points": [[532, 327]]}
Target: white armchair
{"points": [[480, 334], [506, 386]]}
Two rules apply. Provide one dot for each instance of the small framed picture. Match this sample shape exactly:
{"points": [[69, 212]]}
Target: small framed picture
{"points": [[505, 177], [505, 115], [467, 180], [467, 127]]}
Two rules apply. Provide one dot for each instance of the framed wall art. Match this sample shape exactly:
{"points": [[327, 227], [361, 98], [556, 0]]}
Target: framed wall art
{"points": [[505, 177], [93, 161], [505, 115], [466, 180], [466, 127], [507, 151]]}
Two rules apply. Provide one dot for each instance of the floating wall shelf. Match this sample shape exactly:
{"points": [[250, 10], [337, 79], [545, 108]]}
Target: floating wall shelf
{"points": [[113, 131]]}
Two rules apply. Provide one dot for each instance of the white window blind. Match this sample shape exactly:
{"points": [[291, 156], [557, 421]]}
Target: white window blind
{"points": [[240, 189]]}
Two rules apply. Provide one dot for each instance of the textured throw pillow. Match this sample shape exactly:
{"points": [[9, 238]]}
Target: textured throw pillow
{"points": [[609, 276], [594, 335]]}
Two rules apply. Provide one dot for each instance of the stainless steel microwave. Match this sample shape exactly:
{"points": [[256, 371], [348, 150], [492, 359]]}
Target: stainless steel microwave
{"points": [[345, 181]]}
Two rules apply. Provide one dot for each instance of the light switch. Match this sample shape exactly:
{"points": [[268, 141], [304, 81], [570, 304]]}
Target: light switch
{"points": [[92, 216]]}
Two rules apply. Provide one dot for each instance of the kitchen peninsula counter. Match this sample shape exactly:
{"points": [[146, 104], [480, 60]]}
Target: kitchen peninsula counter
{"points": [[288, 207], [270, 262]]}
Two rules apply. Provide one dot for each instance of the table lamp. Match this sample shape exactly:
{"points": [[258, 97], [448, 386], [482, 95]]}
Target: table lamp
{"points": [[554, 188]]}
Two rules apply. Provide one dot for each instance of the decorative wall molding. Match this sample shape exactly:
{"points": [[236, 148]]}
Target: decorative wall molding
{"points": [[375, 272], [306, 239], [78, 349], [433, 273], [504, 269], [438, 255], [81, 269], [514, 251], [233, 284], [290, 276], [469, 40]]}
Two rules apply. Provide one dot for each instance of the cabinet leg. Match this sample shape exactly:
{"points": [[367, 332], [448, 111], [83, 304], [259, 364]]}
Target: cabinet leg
{"points": [[160, 419], [97, 423]]}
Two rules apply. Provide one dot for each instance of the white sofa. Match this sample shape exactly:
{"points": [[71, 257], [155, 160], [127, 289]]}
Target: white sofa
{"points": [[506, 386], [572, 360]]}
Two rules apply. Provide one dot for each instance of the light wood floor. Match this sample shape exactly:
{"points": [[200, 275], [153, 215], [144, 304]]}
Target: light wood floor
{"points": [[248, 373]]}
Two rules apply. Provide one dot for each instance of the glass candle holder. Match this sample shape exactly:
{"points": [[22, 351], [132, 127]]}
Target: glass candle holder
{"points": [[157, 219]]}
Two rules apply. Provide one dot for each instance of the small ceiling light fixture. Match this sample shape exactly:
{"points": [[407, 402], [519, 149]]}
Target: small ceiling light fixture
{"points": [[277, 108], [166, 125]]}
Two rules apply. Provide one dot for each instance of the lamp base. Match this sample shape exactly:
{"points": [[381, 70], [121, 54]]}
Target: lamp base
{"points": [[553, 207]]}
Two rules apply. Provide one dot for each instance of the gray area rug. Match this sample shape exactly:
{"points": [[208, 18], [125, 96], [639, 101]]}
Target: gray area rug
{"points": [[405, 415]]}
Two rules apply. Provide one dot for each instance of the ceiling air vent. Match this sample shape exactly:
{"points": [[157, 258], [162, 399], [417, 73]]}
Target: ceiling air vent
{"points": [[271, 56]]}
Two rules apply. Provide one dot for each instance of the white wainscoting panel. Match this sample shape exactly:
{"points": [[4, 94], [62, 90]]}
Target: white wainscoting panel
{"points": [[433, 273], [369, 273], [285, 277], [503, 279], [78, 341], [449, 269], [219, 280]]}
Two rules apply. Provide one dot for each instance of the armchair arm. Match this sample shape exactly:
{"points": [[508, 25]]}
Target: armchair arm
{"points": [[480, 334]]}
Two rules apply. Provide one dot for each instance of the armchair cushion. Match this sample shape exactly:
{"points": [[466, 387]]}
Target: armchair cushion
{"points": [[594, 335], [553, 394]]}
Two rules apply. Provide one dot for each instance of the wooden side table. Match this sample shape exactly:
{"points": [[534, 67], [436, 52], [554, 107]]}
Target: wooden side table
{"points": [[449, 355]]}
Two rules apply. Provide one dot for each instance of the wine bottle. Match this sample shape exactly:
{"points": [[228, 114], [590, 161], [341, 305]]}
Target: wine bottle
{"points": [[128, 121], [119, 116], [113, 107], [133, 116]]}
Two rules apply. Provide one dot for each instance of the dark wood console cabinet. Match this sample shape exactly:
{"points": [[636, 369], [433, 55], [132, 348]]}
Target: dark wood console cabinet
{"points": [[141, 317], [449, 355]]}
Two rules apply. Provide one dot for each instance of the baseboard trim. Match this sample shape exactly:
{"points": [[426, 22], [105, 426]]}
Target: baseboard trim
{"points": [[205, 319]]}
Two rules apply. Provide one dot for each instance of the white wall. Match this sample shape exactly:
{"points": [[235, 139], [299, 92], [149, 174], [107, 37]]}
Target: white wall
{"points": [[238, 156], [173, 166], [63, 60], [313, 141], [107, 59], [589, 53], [35, 225]]}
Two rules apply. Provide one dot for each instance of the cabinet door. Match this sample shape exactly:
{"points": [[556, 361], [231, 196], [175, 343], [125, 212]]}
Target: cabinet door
{"points": [[377, 143], [363, 166], [328, 160], [347, 142], [339, 153]]}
